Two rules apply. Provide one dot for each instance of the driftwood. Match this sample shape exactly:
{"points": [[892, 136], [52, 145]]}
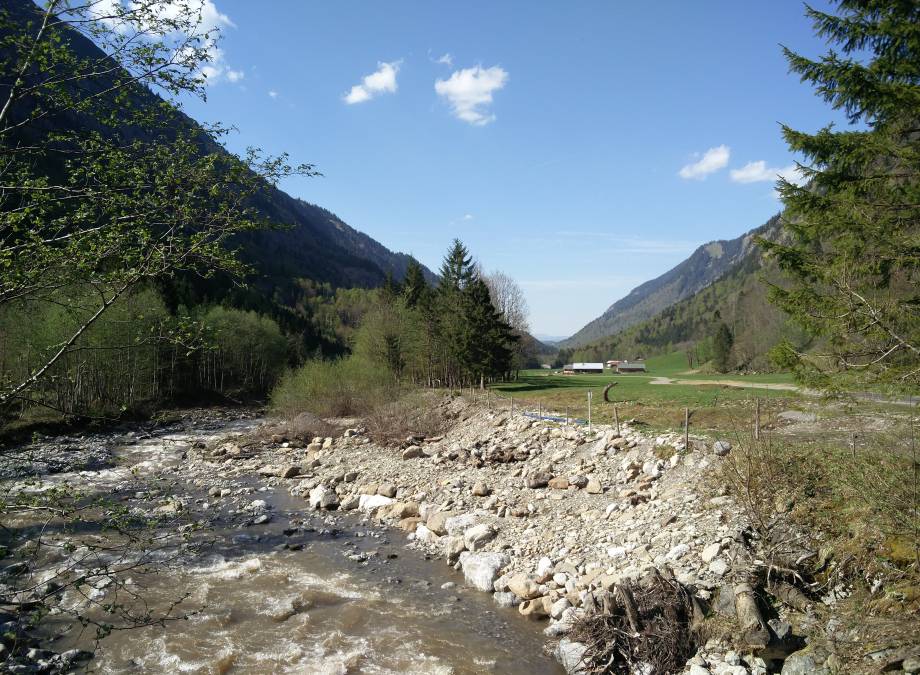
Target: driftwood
{"points": [[625, 596], [790, 595], [754, 630], [643, 625]]}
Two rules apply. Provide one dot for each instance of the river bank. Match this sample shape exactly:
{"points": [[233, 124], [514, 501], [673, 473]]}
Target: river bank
{"points": [[261, 582], [323, 553]]}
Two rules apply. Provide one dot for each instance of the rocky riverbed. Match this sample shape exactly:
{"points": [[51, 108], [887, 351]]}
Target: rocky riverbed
{"points": [[535, 521]]}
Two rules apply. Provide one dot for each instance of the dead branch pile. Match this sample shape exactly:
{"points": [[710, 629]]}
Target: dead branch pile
{"points": [[651, 626]]}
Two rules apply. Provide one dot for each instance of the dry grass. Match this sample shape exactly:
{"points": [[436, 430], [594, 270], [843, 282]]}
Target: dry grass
{"points": [[417, 414], [856, 508]]}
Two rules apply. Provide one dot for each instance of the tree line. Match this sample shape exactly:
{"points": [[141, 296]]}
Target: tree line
{"points": [[451, 334]]}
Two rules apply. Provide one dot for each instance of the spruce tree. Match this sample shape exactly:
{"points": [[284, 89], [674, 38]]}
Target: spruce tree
{"points": [[414, 284], [852, 250], [722, 342], [457, 272]]}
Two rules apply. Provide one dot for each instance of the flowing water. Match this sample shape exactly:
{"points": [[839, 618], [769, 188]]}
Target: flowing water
{"points": [[302, 594]]}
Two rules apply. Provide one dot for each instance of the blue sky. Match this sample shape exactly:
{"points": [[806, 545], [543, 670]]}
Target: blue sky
{"points": [[582, 148]]}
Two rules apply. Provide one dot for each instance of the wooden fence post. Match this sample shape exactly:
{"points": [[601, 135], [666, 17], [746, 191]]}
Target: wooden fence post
{"points": [[757, 420], [589, 412], [686, 428], [616, 419]]}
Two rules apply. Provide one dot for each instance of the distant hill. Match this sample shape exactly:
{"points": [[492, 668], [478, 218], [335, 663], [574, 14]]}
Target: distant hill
{"points": [[704, 266], [550, 340]]}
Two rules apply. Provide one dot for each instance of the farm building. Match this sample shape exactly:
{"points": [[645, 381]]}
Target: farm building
{"points": [[583, 368], [631, 366], [613, 363]]}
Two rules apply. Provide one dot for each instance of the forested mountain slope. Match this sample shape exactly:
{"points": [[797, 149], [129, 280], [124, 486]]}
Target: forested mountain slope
{"points": [[738, 298], [707, 264], [316, 244]]}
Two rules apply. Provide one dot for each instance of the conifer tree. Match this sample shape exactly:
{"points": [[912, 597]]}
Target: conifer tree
{"points": [[414, 284], [852, 253]]}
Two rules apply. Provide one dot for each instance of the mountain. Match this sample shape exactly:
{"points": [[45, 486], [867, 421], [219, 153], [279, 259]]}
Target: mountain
{"points": [[313, 243], [550, 339], [705, 265], [738, 298]]}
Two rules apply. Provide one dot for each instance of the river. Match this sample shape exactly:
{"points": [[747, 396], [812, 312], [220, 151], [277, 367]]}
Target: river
{"points": [[294, 593]]}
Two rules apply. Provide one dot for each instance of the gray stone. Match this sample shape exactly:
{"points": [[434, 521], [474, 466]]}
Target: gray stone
{"points": [[506, 600], [386, 490], [478, 536], [322, 497], [721, 448], [413, 452], [537, 480], [803, 663]]}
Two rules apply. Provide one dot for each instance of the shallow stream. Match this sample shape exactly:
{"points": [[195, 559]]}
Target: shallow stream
{"points": [[300, 593]]}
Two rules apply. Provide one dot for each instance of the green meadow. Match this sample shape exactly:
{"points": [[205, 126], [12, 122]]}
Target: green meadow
{"points": [[716, 402]]}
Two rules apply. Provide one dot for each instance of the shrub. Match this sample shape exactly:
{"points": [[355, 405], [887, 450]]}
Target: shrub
{"points": [[338, 388]]}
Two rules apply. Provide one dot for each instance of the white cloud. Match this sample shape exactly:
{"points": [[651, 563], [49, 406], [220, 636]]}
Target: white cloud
{"points": [[381, 81], [467, 216], [142, 17], [711, 161], [469, 92], [272, 93], [758, 172], [446, 60]]}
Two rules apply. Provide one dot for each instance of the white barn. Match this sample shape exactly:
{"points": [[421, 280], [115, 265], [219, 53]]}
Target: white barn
{"points": [[584, 368]]}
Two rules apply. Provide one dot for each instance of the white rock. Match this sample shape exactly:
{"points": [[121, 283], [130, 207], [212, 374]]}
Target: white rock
{"points": [[544, 568], [371, 503], [425, 535], [481, 569], [616, 552], [558, 607], [678, 552], [711, 552], [718, 567], [570, 654]]}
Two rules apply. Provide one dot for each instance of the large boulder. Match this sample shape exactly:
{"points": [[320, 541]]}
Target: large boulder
{"points": [[437, 521], [481, 569], [460, 524], [370, 503], [524, 587], [571, 655], [322, 497]]}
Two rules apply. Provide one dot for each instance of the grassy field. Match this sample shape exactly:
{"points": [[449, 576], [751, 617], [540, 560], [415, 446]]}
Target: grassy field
{"points": [[714, 406]]}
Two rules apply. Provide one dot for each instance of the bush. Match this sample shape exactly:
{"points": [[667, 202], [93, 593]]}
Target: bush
{"points": [[862, 501], [339, 388]]}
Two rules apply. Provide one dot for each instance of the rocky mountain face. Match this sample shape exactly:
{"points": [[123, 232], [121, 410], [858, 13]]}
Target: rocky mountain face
{"points": [[706, 265]]}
